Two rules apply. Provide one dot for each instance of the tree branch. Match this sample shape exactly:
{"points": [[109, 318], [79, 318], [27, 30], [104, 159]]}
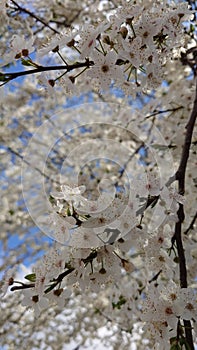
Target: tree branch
{"points": [[6, 77], [22, 9], [180, 176]]}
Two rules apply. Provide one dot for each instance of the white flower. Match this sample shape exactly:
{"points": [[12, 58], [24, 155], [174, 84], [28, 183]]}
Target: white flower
{"points": [[174, 18], [47, 83], [170, 292], [105, 69], [38, 303], [147, 28], [131, 51], [171, 199], [158, 259], [158, 309], [59, 296], [153, 75], [111, 262], [167, 311], [41, 279], [20, 47], [98, 279], [71, 194], [54, 262], [160, 332], [84, 238], [88, 37], [62, 227], [124, 13], [128, 219], [59, 41], [189, 302], [161, 238], [7, 280], [148, 184], [68, 85]]}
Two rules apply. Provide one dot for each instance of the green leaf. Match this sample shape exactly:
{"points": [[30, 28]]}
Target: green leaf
{"points": [[192, 28], [50, 288], [27, 62], [3, 77], [121, 302], [11, 212], [160, 147], [175, 347], [51, 199], [31, 277], [183, 341], [68, 212]]}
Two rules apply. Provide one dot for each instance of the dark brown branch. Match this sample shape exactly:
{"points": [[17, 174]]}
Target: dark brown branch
{"points": [[191, 62], [63, 274], [22, 9], [180, 176], [56, 282], [24, 286], [5, 77], [155, 277], [180, 249], [165, 111], [151, 201]]}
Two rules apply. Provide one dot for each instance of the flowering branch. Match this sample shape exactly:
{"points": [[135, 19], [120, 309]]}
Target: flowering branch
{"points": [[180, 176], [55, 280], [5, 77], [99, 227]]}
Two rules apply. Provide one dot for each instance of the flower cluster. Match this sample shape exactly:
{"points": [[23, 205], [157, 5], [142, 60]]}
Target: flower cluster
{"points": [[118, 241], [129, 50], [165, 309], [89, 224]]}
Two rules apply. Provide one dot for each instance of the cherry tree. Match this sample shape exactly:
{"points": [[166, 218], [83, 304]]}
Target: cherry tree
{"points": [[98, 104]]}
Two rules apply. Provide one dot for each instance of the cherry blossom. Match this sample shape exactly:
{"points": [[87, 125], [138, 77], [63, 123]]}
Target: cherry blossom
{"points": [[105, 69], [59, 296], [88, 36], [38, 303], [19, 47], [113, 256], [7, 280], [57, 42], [171, 199], [71, 195]]}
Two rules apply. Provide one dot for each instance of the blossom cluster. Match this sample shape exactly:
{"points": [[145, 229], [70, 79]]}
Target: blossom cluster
{"points": [[164, 310], [129, 50], [120, 245]]}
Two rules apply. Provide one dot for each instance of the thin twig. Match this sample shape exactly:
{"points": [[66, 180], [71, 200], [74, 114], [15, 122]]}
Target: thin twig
{"points": [[17, 154], [164, 111], [38, 19]]}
